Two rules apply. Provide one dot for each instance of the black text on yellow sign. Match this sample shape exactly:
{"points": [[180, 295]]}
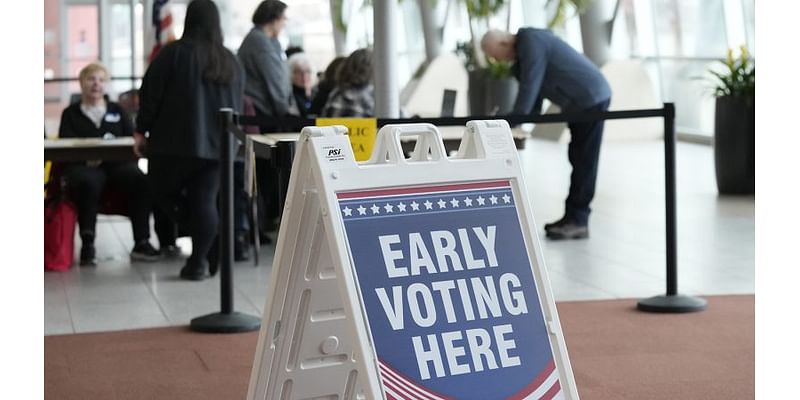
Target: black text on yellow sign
{"points": [[361, 131]]}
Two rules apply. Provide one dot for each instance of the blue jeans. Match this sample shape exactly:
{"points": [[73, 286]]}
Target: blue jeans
{"points": [[584, 153]]}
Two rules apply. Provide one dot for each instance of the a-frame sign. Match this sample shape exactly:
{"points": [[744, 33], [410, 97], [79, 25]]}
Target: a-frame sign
{"points": [[409, 278]]}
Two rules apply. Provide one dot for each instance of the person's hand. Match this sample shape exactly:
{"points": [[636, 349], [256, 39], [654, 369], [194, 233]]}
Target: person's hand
{"points": [[139, 144]]}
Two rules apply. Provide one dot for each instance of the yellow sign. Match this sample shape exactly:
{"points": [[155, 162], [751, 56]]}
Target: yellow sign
{"points": [[48, 165], [361, 131]]}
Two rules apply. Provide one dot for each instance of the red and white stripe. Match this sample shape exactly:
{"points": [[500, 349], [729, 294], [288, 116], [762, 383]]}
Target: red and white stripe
{"points": [[545, 386], [549, 390], [423, 190], [166, 28], [398, 387]]}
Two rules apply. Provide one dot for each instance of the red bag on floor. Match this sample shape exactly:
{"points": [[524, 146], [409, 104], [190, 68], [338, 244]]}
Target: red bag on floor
{"points": [[59, 234]]}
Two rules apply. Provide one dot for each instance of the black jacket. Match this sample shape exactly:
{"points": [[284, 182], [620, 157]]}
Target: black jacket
{"points": [[75, 124], [180, 109]]}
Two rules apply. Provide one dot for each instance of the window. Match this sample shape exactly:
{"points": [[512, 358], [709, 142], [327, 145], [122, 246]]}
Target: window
{"points": [[678, 41]]}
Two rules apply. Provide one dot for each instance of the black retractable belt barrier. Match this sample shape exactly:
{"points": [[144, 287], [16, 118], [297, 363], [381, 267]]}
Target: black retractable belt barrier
{"points": [[227, 320], [671, 302], [512, 119]]}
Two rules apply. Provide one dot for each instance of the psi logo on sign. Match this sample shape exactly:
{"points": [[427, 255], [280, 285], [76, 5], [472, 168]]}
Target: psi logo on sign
{"points": [[360, 130], [450, 296]]}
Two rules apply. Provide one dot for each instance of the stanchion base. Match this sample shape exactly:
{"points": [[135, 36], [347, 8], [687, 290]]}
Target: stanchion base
{"points": [[672, 304], [234, 322]]}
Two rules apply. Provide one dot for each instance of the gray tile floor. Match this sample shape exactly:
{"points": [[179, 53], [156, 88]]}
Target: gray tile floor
{"points": [[624, 258]]}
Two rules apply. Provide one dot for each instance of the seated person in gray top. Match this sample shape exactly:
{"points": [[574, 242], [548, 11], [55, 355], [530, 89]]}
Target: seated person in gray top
{"points": [[95, 117], [547, 67]]}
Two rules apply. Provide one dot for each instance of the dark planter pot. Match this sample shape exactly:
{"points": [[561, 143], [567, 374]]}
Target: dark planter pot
{"points": [[488, 96], [734, 144], [501, 94]]}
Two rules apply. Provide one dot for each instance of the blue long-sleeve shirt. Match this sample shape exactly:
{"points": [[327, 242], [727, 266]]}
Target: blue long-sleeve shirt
{"points": [[548, 67]]}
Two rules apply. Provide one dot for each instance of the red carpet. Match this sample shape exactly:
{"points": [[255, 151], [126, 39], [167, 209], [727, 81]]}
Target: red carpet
{"points": [[617, 353]]}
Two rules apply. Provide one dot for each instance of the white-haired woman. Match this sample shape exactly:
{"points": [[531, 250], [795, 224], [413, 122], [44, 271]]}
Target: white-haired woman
{"points": [[303, 80]]}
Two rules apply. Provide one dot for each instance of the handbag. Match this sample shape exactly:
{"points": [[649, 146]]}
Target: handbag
{"points": [[60, 218]]}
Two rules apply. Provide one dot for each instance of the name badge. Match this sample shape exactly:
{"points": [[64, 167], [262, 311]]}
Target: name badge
{"points": [[113, 118]]}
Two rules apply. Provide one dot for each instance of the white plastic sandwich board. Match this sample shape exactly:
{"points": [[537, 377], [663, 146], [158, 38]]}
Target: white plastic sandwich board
{"points": [[409, 278]]}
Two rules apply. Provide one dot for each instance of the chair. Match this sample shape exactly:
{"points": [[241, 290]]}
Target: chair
{"points": [[129, 101]]}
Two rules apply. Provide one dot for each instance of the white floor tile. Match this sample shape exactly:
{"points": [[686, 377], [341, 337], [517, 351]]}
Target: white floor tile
{"points": [[57, 317]]}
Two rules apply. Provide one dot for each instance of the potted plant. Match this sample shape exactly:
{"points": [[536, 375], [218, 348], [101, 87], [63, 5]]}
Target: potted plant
{"points": [[734, 124]]}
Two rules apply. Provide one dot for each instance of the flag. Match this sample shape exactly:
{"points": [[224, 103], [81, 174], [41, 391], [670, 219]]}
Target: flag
{"points": [[162, 25]]}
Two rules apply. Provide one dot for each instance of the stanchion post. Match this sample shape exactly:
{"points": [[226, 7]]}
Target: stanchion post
{"points": [[672, 302], [226, 213], [227, 320], [670, 199]]}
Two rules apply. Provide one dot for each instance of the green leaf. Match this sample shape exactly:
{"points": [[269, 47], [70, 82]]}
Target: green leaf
{"points": [[499, 69], [562, 6], [739, 77]]}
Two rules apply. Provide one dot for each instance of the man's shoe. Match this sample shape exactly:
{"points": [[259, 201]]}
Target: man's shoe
{"points": [[144, 251], [87, 255], [560, 222], [193, 272], [567, 230]]}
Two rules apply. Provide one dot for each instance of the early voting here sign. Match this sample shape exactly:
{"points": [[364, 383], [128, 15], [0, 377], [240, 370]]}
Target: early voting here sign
{"points": [[412, 276], [449, 294]]}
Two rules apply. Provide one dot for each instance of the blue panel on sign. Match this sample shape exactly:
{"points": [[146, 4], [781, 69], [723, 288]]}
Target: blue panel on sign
{"points": [[449, 293]]}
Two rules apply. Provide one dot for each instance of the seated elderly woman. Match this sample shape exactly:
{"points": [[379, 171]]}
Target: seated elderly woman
{"points": [[95, 117], [354, 95], [303, 80]]}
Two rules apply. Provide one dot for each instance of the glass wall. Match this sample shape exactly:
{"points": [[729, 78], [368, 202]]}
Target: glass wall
{"points": [[52, 64], [126, 45], [678, 41]]}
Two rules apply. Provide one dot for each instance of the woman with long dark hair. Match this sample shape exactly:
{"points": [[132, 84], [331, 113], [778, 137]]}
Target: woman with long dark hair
{"points": [[182, 91]]}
